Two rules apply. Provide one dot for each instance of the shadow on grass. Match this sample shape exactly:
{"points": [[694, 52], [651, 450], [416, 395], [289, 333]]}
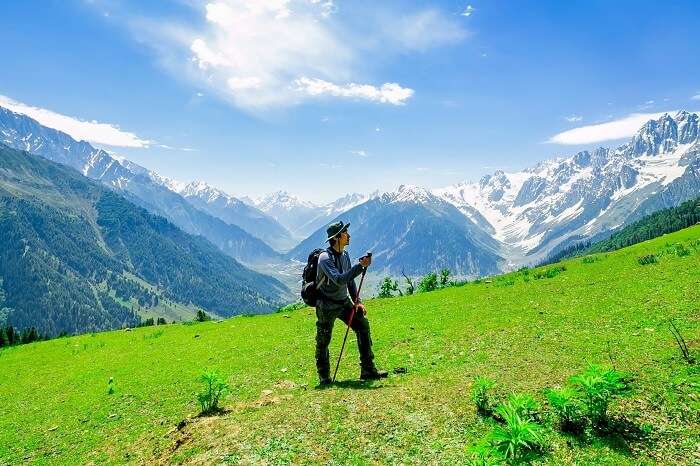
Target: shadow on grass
{"points": [[618, 433], [355, 384]]}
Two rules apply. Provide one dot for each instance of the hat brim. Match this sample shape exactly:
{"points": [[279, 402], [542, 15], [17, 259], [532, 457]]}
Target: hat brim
{"points": [[345, 227]]}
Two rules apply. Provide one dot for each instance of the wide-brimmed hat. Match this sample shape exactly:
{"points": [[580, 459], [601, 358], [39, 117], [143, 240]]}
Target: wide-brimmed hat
{"points": [[335, 229]]}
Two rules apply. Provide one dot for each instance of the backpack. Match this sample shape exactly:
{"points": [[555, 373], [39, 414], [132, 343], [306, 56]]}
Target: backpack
{"points": [[309, 292]]}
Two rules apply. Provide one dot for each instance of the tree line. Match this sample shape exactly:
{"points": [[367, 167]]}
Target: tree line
{"points": [[652, 226]]}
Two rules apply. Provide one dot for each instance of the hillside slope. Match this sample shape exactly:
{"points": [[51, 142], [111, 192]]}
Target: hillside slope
{"points": [[526, 333], [67, 244]]}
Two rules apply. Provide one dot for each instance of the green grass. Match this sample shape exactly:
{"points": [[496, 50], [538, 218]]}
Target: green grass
{"points": [[527, 334]]}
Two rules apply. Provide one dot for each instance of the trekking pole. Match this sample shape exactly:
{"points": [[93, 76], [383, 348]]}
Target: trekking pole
{"points": [[352, 314]]}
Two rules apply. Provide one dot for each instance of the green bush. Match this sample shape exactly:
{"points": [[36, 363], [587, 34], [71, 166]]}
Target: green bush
{"points": [[291, 307], [598, 386], [519, 438], [388, 287], [202, 316], [525, 406], [589, 259], [428, 283], [215, 390], [681, 250], [550, 272], [647, 259], [480, 394], [444, 277], [568, 408]]}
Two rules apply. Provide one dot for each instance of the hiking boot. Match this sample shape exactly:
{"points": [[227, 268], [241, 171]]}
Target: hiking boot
{"points": [[373, 374], [325, 381]]}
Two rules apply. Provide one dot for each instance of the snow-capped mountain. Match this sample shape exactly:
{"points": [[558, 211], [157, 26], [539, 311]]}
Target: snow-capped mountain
{"points": [[301, 217], [474, 228], [234, 211], [415, 231], [538, 210], [143, 187]]}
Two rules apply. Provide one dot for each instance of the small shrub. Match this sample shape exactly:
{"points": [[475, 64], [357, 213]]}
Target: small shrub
{"points": [[485, 455], [598, 386], [388, 287], [525, 406], [568, 408], [215, 390], [291, 307], [590, 259], [202, 316], [480, 394], [444, 277], [550, 272], [110, 386], [428, 283], [503, 281], [681, 250], [519, 438], [161, 321], [647, 259]]}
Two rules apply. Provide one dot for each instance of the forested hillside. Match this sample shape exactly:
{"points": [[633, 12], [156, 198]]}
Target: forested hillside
{"points": [[654, 225], [76, 257]]}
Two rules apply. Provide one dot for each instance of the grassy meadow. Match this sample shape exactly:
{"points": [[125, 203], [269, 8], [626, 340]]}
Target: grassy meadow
{"points": [[527, 330]]}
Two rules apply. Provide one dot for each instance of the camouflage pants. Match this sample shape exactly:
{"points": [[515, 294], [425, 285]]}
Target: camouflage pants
{"points": [[326, 313]]}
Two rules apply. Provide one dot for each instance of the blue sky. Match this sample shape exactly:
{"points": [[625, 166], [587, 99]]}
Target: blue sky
{"points": [[322, 98]]}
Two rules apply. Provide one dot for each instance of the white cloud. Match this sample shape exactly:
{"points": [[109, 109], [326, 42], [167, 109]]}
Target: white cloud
{"points": [[237, 84], [617, 129], [573, 118], [695, 97], [81, 130], [421, 31], [261, 54], [468, 11], [377, 129], [390, 93], [359, 153]]}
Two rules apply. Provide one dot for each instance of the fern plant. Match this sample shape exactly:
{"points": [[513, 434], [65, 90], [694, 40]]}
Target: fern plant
{"points": [[525, 406], [481, 394], [568, 409], [484, 455], [519, 438], [215, 390], [598, 387]]}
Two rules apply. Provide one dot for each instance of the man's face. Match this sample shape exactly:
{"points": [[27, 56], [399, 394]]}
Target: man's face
{"points": [[344, 238]]}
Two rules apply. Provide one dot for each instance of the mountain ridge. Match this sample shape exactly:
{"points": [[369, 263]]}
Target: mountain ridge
{"points": [[148, 189], [68, 241]]}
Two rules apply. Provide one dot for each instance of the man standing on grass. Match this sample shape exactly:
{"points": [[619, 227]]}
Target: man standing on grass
{"points": [[335, 279]]}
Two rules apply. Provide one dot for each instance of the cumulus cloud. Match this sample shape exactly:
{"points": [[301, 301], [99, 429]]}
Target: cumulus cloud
{"points": [[81, 130], [468, 11], [695, 97], [617, 129], [573, 118], [388, 93], [261, 54], [359, 153]]}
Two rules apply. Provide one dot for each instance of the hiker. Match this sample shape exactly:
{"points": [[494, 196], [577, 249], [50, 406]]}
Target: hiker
{"points": [[335, 278]]}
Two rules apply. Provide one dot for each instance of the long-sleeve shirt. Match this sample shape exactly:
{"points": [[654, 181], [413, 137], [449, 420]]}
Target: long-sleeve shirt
{"points": [[336, 276]]}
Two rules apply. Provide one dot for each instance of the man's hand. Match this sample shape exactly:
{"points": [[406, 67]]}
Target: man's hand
{"points": [[361, 308], [365, 261]]}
